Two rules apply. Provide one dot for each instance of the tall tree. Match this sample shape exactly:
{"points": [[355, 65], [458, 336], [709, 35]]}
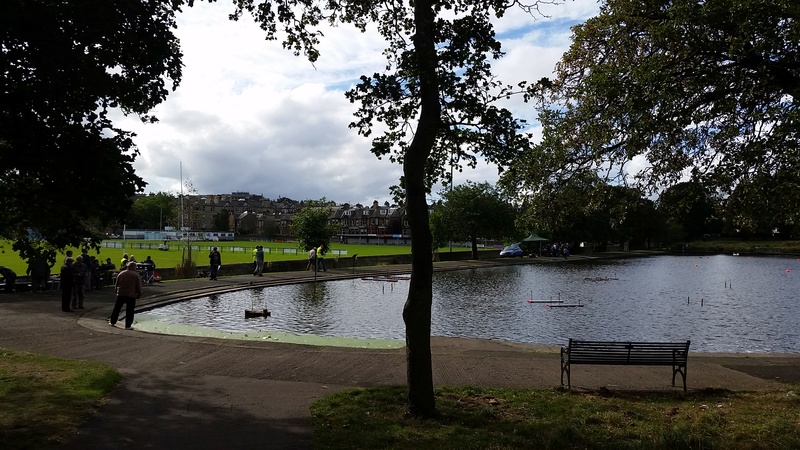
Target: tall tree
{"points": [[692, 208], [476, 210], [64, 65], [310, 225], [435, 103], [220, 220], [707, 87], [152, 212]]}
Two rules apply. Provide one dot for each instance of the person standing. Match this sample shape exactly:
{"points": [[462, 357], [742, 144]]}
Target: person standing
{"points": [[259, 261], [312, 259], [80, 272], [67, 282], [129, 289], [215, 261], [150, 269], [39, 271], [87, 263]]}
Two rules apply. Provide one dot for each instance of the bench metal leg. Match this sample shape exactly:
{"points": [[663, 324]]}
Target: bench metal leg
{"points": [[679, 370]]}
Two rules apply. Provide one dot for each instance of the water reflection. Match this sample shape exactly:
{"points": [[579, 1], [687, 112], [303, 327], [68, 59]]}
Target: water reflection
{"points": [[721, 303]]}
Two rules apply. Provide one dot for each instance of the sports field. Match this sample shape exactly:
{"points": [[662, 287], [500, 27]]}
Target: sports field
{"points": [[232, 252]]}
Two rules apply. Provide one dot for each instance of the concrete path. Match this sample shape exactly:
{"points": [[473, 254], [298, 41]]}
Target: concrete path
{"points": [[203, 393]]}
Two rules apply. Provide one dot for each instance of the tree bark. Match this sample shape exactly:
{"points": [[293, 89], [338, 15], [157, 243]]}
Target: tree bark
{"points": [[417, 310]]}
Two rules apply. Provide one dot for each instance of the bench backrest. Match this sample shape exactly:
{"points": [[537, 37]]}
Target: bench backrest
{"points": [[620, 352]]}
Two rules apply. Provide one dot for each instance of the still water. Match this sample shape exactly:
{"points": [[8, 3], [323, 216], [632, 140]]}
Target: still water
{"points": [[721, 303]]}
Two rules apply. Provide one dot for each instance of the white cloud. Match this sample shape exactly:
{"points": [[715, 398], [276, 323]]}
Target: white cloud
{"points": [[250, 116]]}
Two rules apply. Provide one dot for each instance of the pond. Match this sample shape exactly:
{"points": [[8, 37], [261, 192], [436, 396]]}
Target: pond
{"points": [[721, 303]]}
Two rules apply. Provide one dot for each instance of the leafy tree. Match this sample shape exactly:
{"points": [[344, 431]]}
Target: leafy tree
{"points": [[476, 210], [439, 233], [270, 229], [692, 208], [310, 225], [436, 106], [64, 66], [220, 220], [152, 212], [761, 207], [706, 87]]}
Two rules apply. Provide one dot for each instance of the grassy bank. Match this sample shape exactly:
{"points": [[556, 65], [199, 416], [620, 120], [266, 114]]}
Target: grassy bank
{"points": [[43, 400], [478, 418], [741, 247]]}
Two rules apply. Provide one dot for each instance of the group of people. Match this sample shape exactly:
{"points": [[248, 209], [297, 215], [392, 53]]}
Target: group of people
{"points": [[147, 267], [128, 287], [79, 274], [558, 249], [316, 258]]}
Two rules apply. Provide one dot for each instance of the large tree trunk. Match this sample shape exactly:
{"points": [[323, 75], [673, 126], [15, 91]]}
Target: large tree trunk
{"points": [[474, 247], [417, 310]]}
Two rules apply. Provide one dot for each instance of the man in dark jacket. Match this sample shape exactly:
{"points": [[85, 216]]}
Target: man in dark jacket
{"points": [[67, 282], [215, 261]]}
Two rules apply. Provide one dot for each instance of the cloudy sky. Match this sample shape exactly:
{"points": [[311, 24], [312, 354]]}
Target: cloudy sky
{"points": [[250, 116]]}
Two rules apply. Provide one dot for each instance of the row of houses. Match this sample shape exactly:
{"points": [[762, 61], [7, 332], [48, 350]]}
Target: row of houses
{"points": [[252, 214]]}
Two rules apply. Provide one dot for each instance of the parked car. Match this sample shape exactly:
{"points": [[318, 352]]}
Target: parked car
{"points": [[512, 251]]}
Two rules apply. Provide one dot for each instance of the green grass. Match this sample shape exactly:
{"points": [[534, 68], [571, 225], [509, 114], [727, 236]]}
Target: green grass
{"points": [[483, 418], [737, 246], [243, 254], [44, 400]]}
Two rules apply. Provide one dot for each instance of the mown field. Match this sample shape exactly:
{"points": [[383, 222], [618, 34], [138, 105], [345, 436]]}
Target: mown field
{"points": [[232, 252]]}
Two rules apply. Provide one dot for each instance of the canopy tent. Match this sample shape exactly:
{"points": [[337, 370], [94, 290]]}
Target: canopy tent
{"points": [[536, 238]]}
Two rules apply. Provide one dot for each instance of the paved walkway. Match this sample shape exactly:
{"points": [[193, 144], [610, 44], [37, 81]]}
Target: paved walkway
{"points": [[202, 393]]}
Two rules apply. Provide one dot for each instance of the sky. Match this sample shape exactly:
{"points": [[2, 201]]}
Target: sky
{"points": [[250, 116]]}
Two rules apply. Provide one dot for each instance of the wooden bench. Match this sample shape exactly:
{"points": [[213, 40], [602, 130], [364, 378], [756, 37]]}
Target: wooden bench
{"points": [[624, 354]]}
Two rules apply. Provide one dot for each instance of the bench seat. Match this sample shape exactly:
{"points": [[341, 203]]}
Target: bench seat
{"points": [[625, 353]]}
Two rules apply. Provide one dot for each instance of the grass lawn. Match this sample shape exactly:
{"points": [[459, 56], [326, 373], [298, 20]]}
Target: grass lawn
{"points": [[232, 252], [482, 418], [45, 399]]}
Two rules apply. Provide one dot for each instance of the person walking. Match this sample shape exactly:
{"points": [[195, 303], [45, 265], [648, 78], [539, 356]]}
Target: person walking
{"points": [[129, 289], [259, 262], [321, 250], [66, 283], [215, 261]]}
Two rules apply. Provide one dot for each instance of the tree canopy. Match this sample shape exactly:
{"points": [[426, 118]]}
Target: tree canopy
{"points": [[153, 212], [310, 225], [65, 65], [705, 88], [476, 210]]}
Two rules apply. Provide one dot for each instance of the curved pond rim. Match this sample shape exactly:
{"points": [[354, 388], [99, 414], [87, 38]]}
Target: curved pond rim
{"points": [[151, 324]]}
